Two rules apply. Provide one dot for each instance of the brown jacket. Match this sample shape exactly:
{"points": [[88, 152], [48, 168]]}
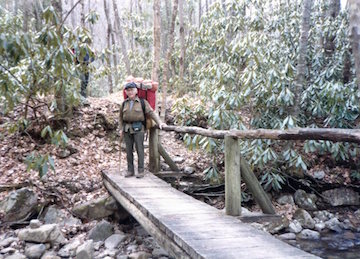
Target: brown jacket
{"points": [[128, 116]]}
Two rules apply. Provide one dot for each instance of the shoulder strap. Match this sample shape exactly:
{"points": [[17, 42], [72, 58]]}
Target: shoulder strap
{"points": [[143, 108]]}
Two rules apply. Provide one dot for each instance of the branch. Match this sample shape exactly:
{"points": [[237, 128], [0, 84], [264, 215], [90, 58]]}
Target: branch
{"points": [[66, 16], [6, 69]]}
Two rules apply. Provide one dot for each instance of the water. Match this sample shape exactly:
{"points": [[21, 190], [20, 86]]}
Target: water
{"points": [[344, 245]]}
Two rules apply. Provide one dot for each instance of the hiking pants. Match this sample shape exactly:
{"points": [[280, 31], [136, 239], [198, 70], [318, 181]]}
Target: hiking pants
{"points": [[138, 139]]}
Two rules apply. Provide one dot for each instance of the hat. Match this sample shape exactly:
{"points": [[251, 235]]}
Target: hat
{"points": [[130, 85]]}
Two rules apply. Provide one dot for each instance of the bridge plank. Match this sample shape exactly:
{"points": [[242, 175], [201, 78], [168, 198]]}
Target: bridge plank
{"points": [[189, 228]]}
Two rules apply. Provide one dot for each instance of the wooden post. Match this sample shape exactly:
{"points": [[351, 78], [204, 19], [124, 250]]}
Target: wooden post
{"points": [[255, 188], [232, 177], [167, 158], [154, 157]]}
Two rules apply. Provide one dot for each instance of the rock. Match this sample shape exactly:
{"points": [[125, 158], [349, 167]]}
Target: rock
{"points": [[140, 231], [295, 227], [341, 196], [35, 251], [139, 255], [334, 225], [158, 252], [18, 204], [319, 175], [98, 209], [101, 231], [305, 201], [8, 250], [304, 218], [16, 256], [85, 251], [277, 226], [189, 170], [8, 241], [323, 215], [286, 199], [287, 236], [132, 248], [35, 223], [121, 257], [113, 241], [49, 233], [309, 234], [357, 214], [179, 160], [54, 215], [69, 250], [346, 224], [50, 255], [319, 226]]}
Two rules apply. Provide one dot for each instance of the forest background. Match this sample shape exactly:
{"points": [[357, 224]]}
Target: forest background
{"points": [[227, 64]]}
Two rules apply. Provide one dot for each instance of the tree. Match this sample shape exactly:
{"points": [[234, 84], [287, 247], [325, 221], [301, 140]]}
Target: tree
{"points": [[182, 40], [156, 37], [168, 59], [354, 7], [108, 36]]}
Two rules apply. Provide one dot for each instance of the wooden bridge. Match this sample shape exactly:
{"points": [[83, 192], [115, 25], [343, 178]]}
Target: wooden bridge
{"points": [[188, 228]]}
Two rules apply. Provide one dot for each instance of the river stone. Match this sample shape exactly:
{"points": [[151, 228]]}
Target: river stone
{"points": [[323, 215], [295, 227], [85, 251], [286, 199], [276, 226], [8, 250], [49, 233], [304, 218], [98, 209], [341, 196], [158, 252], [287, 236], [8, 241], [319, 226], [16, 256], [18, 204], [113, 241], [309, 234], [357, 214], [69, 250], [346, 224], [35, 223], [101, 231], [305, 201], [189, 170], [179, 160], [50, 255], [35, 251], [54, 215], [139, 255], [333, 224], [319, 175]]}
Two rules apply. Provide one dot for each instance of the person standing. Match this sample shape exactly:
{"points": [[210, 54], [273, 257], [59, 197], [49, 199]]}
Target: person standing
{"points": [[132, 127]]}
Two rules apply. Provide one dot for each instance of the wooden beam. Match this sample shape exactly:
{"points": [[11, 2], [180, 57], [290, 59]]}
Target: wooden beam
{"points": [[167, 158], [154, 157], [332, 134], [232, 177], [255, 188]]}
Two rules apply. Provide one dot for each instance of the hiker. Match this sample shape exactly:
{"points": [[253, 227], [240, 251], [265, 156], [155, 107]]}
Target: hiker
{"points": [[133, 115]]}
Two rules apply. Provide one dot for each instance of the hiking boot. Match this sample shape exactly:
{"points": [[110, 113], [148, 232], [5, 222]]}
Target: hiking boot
{"points": [[129, 174], [140, 174]]}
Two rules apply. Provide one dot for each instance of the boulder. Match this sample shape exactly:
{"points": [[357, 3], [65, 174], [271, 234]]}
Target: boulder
{"points": [[101, 231], [98, 209], [113, 241], [288, 236], [60, 217], [35, 223], [304, 218], [18, 204], [16, 256], [139, 255], [305, 201], [341, 196], [309, 234], [334, 225], [8, 241], [69, 250], [49, 233], [50, 255], [189, 170], [85, 251], [286, 199], [35, 251], [323, 215], [319, 226], [295, 227]]}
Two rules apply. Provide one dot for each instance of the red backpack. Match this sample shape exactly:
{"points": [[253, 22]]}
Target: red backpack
{"points": [[146, 89]]}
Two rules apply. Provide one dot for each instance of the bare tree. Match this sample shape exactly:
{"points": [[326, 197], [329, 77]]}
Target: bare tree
{"points": [[132, 28], [332, 12], [82, 13], [72, 16], [116, 74], [156, 53], [354, 7], [108, 58], [200, 13], [182, 40], [301, 66], [168, 58], [119, 33]]}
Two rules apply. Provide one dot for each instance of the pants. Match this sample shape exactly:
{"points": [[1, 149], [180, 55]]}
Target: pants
{"points": [[138, 139], [84, 83]]}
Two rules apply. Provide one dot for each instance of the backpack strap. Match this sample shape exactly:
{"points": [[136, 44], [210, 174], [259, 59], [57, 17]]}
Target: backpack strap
{"points": [[143, 108]]}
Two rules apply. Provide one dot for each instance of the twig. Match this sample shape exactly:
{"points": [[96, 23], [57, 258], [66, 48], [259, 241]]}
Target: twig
{"points": [[66, 16], [12, 75]]}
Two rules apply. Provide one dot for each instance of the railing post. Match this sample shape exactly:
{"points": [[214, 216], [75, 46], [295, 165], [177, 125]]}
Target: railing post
{"points": [[154, 157], [232, 177]]}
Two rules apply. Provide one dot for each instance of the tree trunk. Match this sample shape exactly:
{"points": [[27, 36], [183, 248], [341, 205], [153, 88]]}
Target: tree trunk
{"points": [[156, 36], [332, 12], [116, 75], [26, 14], [82, 14], [119, 33], [168, 59], [132, 28], [354, 7], [206, 6], [200, 13], [72, 15], [108, 57], [301, 66], [182, 42]]}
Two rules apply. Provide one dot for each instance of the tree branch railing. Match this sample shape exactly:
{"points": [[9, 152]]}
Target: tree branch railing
{"points": [[236, 168]]}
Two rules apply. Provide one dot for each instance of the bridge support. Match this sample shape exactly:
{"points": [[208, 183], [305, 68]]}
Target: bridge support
{"points": [[154, 157], [232, 177]]}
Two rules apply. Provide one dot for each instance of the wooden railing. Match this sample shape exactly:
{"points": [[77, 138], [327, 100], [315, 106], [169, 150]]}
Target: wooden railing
{"points": [[236, 167]]}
